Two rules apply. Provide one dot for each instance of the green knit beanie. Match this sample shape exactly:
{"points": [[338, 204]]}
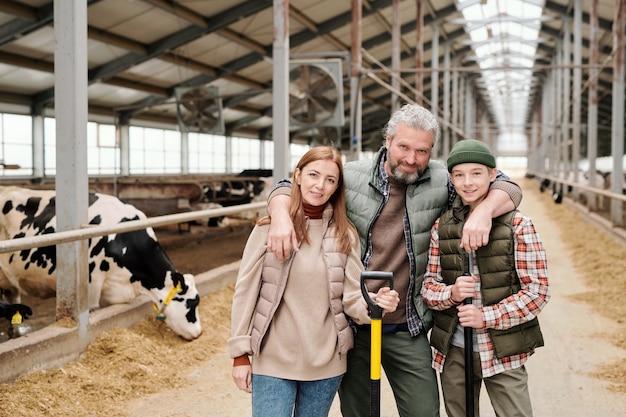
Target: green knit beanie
{"points": [[471, 151]]}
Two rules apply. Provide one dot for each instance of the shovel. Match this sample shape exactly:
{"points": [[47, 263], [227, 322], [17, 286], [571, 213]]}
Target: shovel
{"points": [[376, 314], [469, 350]]}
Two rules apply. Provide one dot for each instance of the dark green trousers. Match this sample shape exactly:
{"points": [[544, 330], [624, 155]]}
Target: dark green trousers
{"points": [[406, 361]]}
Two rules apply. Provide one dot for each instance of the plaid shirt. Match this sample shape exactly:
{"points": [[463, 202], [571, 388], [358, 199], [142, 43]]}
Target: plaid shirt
{"points": [[531, 267], [413, 321]]}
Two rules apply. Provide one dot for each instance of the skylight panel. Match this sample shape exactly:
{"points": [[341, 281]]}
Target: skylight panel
{"points": [[527, 50], [487, 62], [522, 8], [479, 34], [520, 61], [504, 35], [483, 50], [490, 9], [514, 28], [518, 76]]}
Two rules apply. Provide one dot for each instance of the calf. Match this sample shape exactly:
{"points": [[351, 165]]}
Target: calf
{"points": [[121, 266]]}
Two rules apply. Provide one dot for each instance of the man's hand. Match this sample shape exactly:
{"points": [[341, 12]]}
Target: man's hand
{"points": [[281, 239], [476, 229], [478, 224]]}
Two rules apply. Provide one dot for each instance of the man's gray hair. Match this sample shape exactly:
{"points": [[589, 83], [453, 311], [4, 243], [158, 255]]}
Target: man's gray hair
{"points": [[414, 116]]}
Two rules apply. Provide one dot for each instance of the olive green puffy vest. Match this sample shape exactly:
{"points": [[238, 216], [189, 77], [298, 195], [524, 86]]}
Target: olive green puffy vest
{"points": [[498, 280], [426, 200]]}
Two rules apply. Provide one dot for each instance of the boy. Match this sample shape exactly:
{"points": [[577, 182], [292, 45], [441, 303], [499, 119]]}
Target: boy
{"points": [[508, 287]]}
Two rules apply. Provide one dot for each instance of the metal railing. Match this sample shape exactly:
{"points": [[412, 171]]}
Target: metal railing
{"points": [[89, 231], [615, 209], [583, 187]]}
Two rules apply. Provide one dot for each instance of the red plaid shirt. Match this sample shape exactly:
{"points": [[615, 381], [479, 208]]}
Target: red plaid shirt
{"points": [[525, 305]]}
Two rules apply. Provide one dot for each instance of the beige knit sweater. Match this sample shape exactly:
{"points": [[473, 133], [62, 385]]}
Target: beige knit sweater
{"points": [[301, 343]]}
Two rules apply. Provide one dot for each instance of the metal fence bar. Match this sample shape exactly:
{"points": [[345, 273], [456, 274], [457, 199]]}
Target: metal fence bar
{"points": [[583, 187], [89, 231]]}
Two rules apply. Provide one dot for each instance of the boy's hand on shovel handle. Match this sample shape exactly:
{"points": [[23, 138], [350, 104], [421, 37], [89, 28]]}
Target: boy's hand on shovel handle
{"points": [[463, 288]]}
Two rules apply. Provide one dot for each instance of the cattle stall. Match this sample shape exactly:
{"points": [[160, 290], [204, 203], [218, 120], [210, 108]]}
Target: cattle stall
{"points": [[57, 344], [158, 195]]}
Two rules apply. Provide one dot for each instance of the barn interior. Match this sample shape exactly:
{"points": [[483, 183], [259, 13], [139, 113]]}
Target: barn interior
{"points": [[540, 81], [486, 68]]}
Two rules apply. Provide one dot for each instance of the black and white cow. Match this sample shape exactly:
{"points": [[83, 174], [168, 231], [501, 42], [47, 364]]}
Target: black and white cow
{"points": [[15, 313], [233, 191], [121, 266]]}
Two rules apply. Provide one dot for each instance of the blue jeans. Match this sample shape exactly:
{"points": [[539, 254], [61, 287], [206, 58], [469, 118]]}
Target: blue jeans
{"points": [[276, 397]]}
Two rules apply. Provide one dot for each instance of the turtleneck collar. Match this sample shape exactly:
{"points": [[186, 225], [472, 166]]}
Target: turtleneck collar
{"points": [[313, 212]]}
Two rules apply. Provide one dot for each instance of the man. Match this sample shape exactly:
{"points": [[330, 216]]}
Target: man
{"points": [[394, 200]]}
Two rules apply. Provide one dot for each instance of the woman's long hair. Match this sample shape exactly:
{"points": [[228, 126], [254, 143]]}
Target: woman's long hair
{"points": [[344, 229]]}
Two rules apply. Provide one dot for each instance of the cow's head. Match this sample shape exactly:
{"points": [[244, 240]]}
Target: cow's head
{"points": [[178, 306]]}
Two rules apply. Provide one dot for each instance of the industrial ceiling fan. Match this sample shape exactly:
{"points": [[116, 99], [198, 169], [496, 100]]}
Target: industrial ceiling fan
{"points": [[316, 93], [200, 109]]}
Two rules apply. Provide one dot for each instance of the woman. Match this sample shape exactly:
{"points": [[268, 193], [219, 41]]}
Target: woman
{"points": [[290, 316]]}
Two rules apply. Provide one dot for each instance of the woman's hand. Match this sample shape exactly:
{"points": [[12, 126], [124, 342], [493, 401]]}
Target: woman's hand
{"points": [[387, 299], [242, 375]]}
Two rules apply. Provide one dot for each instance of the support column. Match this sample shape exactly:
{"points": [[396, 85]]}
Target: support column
{"points": [[469, 110], [280, 90], [534, 149], [72, 185], [38, 143], [434, 78], [419, 52], [545, 164], [577, 85], [455, 101], [617, 114], [558, 91], [228, 142], [184, 152], [592, 106], [446, 146], [461, 121], [565, 97], [356, 127], [487, 137], [123, 130], [395, 55]]}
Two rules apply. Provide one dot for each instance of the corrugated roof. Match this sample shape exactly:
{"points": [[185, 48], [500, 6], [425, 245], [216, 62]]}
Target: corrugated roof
{"points": [[141, 51]]}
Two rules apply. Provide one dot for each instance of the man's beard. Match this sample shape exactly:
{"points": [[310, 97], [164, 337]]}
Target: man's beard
{"points": [[405, 177]]}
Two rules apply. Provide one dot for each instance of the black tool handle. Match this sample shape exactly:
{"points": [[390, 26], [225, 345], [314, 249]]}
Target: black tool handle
{"points": [[469, 348], [375, 310]]}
